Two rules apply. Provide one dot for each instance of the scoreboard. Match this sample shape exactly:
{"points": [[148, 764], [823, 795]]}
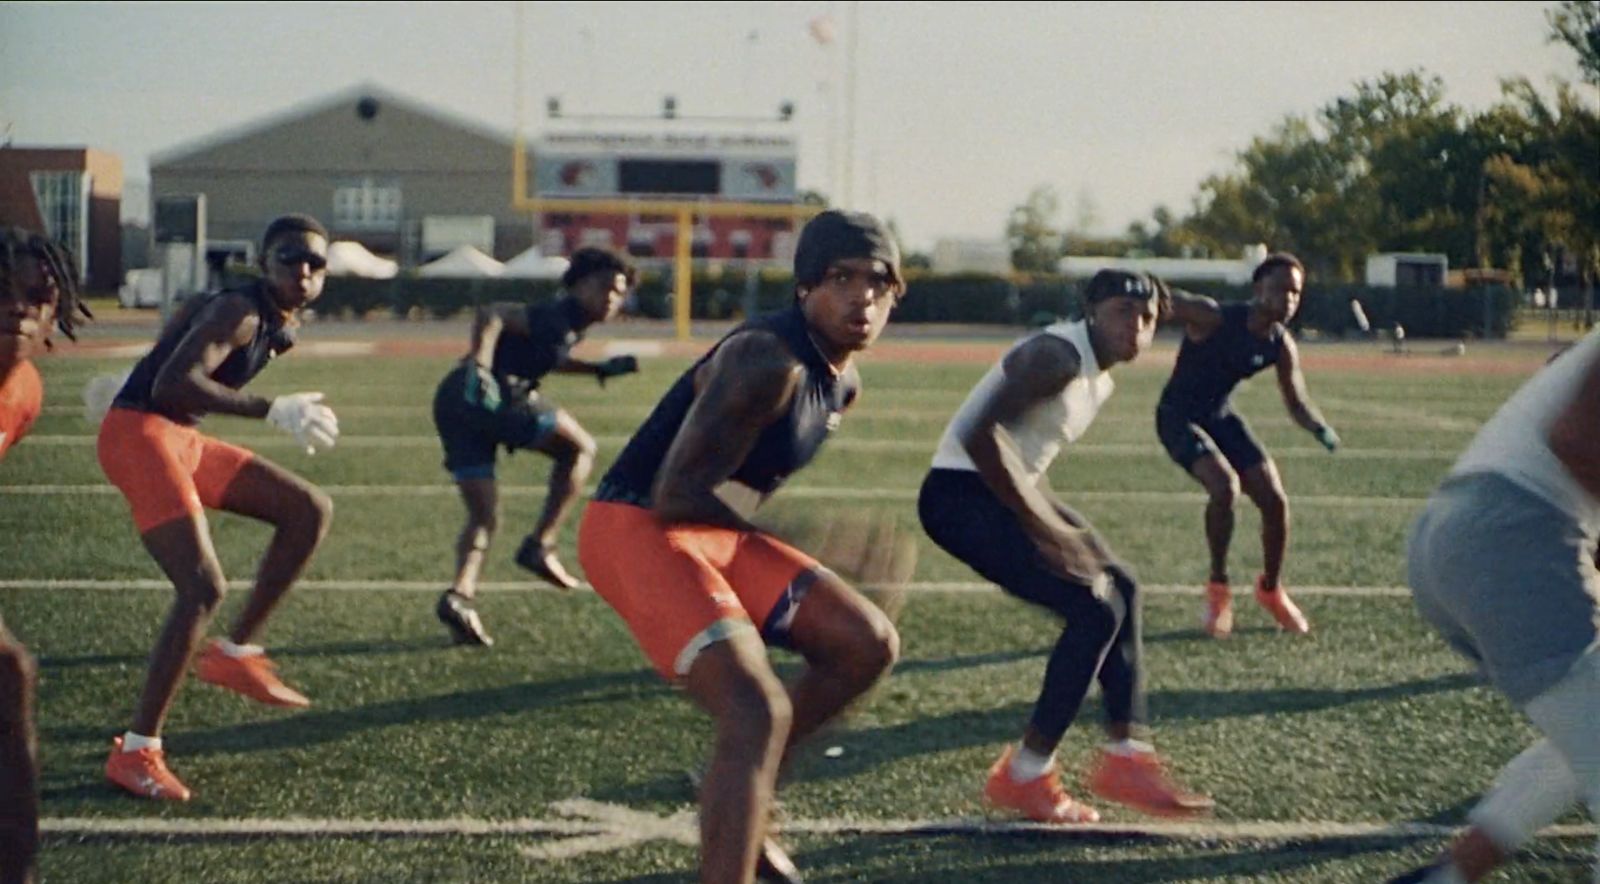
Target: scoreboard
{"points": [[732, 167]]}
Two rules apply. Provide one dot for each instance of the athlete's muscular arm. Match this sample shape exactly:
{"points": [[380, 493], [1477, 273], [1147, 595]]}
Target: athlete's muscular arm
{"points": [[1575, 434], [487, 325], [1292, 384], [184, 383], [1199, 314], [1034, 372], [743, 388]]}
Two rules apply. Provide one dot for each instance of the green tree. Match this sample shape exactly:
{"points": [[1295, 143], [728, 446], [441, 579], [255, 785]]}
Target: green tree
{"points": [[1032, 234], [1577, 24], [1542, 193]]}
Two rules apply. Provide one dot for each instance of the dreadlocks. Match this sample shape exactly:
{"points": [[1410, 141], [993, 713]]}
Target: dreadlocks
{"points": [[16, 244]]}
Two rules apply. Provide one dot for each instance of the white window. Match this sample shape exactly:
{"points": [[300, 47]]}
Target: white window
{"points": [[63, 200], [553, 242], [367, 204], [595, 236]]}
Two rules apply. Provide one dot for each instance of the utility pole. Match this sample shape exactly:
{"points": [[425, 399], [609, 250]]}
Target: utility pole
{"points": [[848, 189]]}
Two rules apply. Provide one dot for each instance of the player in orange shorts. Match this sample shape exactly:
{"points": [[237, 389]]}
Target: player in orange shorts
{"points": [[38, 290], [702, 589], [169, 472]]}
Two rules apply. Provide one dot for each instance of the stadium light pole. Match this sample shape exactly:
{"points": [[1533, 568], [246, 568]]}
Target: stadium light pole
{"points": [[519, 169], [850, 107]]}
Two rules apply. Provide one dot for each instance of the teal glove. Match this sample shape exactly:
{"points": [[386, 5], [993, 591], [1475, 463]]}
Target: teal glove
{"points": [[482, 390], [616, 365], [1328, 438]]}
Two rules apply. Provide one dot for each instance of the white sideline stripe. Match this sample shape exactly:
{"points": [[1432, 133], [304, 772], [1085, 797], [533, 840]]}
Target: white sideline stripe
{"points": [[1409, 413], [927, 445], [624, 347], [307, 348], [867, 412], [816, 492], [70, 583], [1244, 830]]}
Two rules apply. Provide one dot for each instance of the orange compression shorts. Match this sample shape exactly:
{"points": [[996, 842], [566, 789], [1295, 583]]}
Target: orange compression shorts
{"points": [[165, 470], [683, 587]]}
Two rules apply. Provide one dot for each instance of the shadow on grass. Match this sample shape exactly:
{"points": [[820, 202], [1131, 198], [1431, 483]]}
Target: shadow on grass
{"points": [[870, 747], [1024, 858], [1200, 635], [316, 727], [350, 647], [950, 664], [1208, 705]]}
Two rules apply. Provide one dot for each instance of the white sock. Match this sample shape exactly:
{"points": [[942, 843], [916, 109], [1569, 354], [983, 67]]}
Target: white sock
{"points": [[1027, 764], [132, 742], [230, 649], [1130, 747], [1529, 794]]}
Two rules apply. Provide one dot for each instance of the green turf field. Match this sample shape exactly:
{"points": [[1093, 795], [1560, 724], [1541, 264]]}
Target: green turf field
{"points": [[445, 764]]}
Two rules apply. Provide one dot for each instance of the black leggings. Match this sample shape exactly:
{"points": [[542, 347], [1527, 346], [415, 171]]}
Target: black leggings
{"points": [[1102, 638]]}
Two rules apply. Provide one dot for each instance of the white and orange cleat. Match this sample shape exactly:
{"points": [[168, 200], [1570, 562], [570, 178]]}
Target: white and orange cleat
{"points": [[144, 773], [1217, 620], [252, 676], [1277, 602], [1140, 781], [1040, 799]]}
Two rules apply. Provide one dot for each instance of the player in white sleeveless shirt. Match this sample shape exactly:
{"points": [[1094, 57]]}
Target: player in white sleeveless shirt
{"points": [[1502, 563], [987, 502]]}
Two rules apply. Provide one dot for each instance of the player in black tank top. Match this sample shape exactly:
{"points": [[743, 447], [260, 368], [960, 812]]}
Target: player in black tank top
{"points": [[1201, 432], [784, 446], [490, 399], [199, 366], [751, 412]]}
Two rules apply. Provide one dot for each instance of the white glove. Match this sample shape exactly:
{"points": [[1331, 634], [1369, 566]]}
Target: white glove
{"points": [[314, 426], [99, 393]]}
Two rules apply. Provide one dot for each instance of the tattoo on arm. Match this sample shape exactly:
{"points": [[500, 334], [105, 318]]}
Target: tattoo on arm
{"points": [[744, 387]]}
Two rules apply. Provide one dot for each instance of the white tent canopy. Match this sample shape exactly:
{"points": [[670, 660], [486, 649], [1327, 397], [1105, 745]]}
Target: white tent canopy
{"points": [[534, 264], [349, 258], [465, 262]]}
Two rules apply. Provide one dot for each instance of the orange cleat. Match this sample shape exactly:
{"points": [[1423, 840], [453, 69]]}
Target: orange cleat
{"points": [[1282, 609], [1139, 781], [1218, 617], [144, 773], [1040, 799], [253, 676]]}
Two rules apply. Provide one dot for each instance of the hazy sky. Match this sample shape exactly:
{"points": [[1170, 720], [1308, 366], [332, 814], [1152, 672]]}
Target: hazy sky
{"points": [[961, 108]]}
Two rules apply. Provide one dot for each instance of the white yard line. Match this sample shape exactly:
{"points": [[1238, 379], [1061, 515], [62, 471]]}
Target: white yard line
{"points": [[1150, 449], [1406, 413], [815, 492], [336, 585], [596, 825], [1386, 419]]}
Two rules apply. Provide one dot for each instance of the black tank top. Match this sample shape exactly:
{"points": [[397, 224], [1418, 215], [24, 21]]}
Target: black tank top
{"points": [[553, 328], [272, 338], [1207, 371], [785, 446]]}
